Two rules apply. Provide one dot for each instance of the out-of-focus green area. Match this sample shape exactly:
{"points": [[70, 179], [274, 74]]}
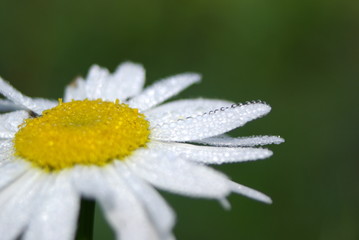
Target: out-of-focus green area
{"points": [[300, 56]]}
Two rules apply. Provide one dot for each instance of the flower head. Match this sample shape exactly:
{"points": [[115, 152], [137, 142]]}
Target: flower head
{"points": [[111, 140]]}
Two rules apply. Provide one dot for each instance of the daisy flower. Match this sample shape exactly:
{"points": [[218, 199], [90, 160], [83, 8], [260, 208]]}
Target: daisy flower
{"points": [[113, 141]]}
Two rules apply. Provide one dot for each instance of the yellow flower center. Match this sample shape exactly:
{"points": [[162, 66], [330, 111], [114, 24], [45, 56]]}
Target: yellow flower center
{"points": [[88, 132]]}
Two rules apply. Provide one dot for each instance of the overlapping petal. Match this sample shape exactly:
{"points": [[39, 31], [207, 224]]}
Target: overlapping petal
{"points": [[6, 148], [183, 109], [36, 105], [96, 82], [75, 90], [7, 106], [17, 202], [163, 90], [213, 123], [9, 123], [56, 211], [122, 209], [169, 172], [127, 81], [216, 155], [225, 141], [10, 171], [158, 210]]}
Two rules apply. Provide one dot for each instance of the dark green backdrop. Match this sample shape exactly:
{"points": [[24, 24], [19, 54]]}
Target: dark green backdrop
{"points": [[300, 56]]}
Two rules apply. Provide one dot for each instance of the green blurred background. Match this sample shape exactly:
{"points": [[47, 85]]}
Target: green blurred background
{"points": [[300, 56]]}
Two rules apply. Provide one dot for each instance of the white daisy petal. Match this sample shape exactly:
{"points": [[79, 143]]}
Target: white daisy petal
{"points": [[211, 124], [162, 90], [44, 104], [56, 215], [75, 90], [123, 211], [96, 82], [6, 106], [222, 141], [88, 180], [6, 148], [216, 155], [17, 203], [159, 211], [36, 105], [249, 192], [128, 214], [10, 171], [127, 81], [9, 123], [169, 172], [181, 109]]}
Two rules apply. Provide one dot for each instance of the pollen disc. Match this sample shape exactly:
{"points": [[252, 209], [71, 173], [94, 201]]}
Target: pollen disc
{"points": [[87, 132]]}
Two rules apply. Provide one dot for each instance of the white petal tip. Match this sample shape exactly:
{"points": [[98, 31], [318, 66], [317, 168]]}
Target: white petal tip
{"points": [[129, 64], [255, 109], [268, 200], [251, 193], [264, 140], [94, 67], [96, 71], [262, 108], [279, 140], [225, 203], [192, 77], [262, 153], [268, 153]]}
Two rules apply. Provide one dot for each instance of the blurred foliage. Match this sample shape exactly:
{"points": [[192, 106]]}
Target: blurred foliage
{"points": [[300, 56]]}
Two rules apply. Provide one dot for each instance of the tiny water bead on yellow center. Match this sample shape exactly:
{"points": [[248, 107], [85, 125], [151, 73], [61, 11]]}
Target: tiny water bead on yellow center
{"points": [[87, 132]]}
